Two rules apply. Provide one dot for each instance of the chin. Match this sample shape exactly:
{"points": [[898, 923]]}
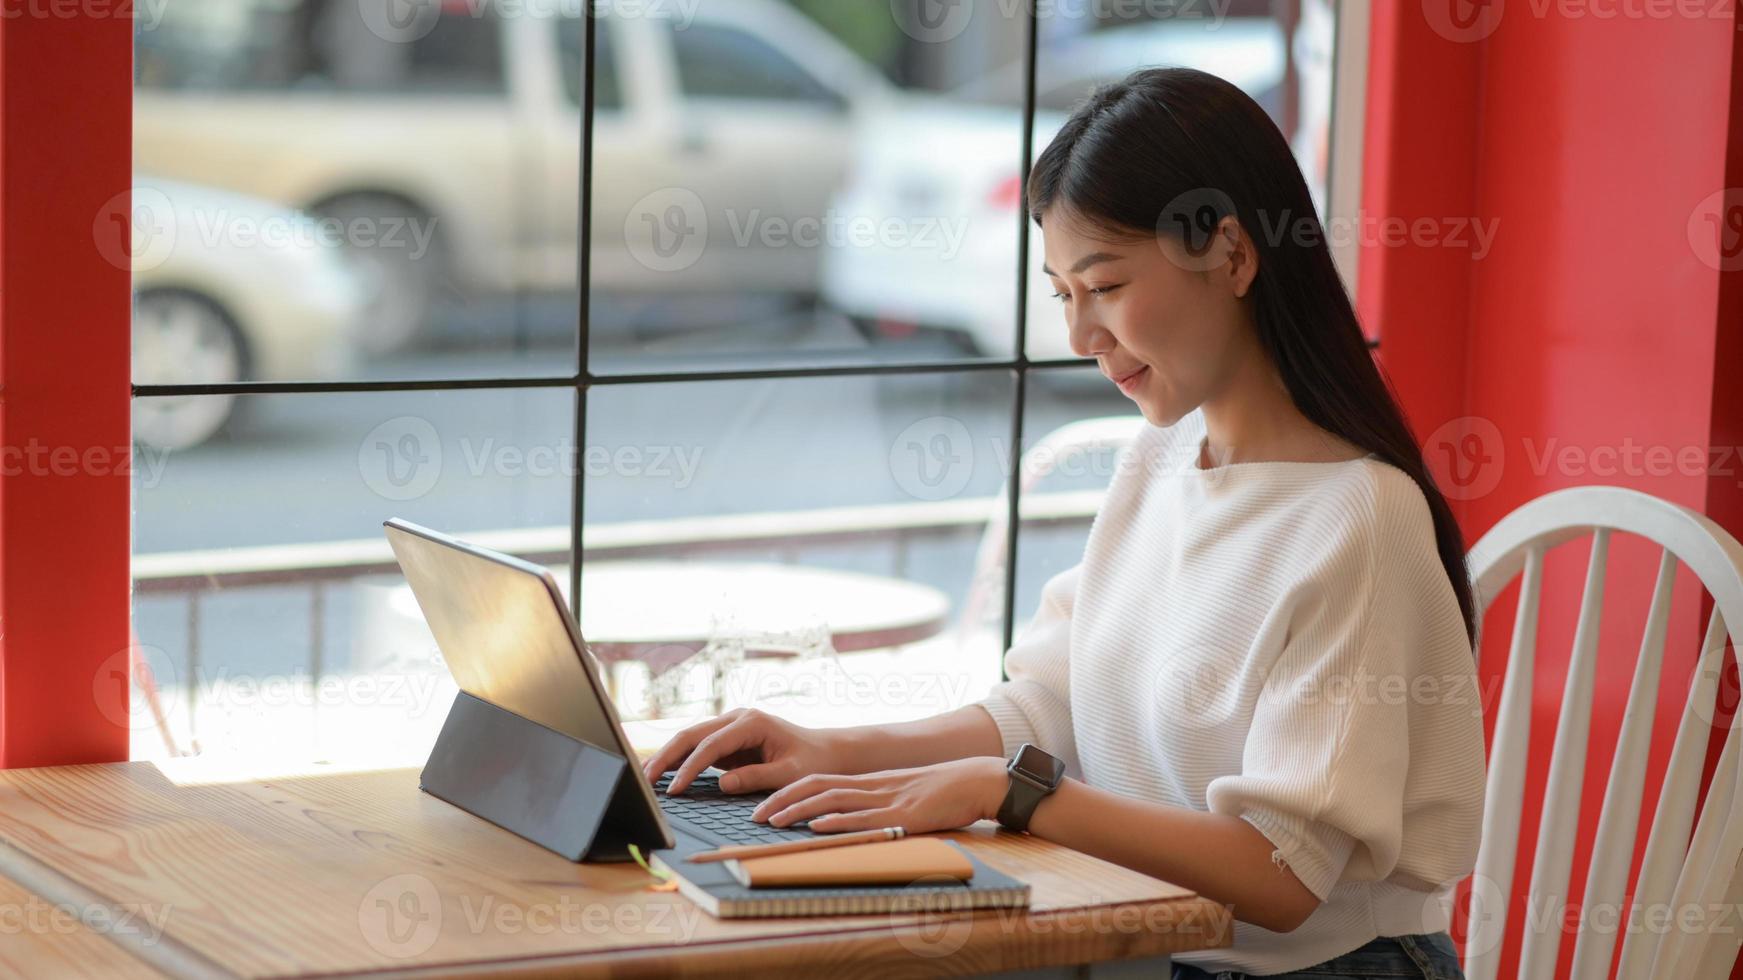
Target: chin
{"points": [[1161, 416], [1158, 419]]}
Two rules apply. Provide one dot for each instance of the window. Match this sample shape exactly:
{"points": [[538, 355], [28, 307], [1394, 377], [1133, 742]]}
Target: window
{"points": [[460, 54], [317, 46], [203, 46], [721, 62], [769, 426]]}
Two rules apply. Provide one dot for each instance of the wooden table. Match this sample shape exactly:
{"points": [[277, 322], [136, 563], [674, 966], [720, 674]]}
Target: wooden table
{"points": [[50, 939], [360, 873]]}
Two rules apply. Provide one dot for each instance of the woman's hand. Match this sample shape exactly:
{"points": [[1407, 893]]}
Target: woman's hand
{"points": [[937, 797], [759, 752]]}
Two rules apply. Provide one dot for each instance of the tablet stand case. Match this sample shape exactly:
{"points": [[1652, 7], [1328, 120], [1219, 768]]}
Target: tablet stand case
{"points": [[555, 790]]}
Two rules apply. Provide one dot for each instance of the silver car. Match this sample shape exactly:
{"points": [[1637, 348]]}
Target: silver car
{"points": [[231, 288]]}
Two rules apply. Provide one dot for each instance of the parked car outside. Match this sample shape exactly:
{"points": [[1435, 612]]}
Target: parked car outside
{"points": [[464, 126], [231, 288]]}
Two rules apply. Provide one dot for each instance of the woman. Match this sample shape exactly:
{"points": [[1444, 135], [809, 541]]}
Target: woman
{"points": [[1258, 683]]}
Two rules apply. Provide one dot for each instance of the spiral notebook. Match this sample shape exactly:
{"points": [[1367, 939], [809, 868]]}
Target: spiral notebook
{"points": [[714, 887]]}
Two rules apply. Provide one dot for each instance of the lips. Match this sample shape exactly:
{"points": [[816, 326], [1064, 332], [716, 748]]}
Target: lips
{"points": [[1129, 380]]}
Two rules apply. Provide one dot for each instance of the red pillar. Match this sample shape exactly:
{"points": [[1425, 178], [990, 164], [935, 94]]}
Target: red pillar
{"points": [[65, 161], [1593, 330]]}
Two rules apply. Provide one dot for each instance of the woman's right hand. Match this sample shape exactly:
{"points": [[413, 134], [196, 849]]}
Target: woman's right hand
{"points": [[758, 750]]}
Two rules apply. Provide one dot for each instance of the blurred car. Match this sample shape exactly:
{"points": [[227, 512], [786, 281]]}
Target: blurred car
{"points": [[231, 288], [464, 127], [954, 156]]}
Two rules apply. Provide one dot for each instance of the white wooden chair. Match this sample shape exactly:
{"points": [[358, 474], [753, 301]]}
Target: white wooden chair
{"points": [[1678, 871]]}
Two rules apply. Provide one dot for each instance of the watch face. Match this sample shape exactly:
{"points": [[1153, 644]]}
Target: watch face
{"points": [[1038, 765]]}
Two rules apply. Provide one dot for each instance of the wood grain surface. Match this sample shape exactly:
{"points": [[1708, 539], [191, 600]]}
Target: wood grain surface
{"points": [[355, 873], [40, 938]]}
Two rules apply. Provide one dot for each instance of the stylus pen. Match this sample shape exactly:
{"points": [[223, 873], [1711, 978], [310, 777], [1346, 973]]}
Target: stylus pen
{"points": [[739, 852]]}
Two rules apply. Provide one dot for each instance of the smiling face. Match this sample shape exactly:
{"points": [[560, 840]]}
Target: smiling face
{"points": [[1169, 327]]}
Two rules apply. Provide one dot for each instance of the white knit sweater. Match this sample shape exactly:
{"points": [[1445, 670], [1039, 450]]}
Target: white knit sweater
{"points": [[1279, 642]]}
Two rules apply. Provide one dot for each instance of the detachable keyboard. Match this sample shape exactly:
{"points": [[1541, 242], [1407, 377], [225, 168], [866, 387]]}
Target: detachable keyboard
{"points": [[702, 810]]}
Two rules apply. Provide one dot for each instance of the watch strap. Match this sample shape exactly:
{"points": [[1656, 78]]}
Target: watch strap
{"points": [[1020, 802]]}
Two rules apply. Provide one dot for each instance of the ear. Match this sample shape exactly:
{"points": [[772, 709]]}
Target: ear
{"points": [[1241, 257]]}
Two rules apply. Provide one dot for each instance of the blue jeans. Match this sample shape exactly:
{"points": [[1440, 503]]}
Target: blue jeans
{"points": [[1424, 957]]}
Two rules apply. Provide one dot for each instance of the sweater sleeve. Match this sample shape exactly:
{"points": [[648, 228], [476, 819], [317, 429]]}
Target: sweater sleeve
{"points": [[1035, 704], [1324, 766]]}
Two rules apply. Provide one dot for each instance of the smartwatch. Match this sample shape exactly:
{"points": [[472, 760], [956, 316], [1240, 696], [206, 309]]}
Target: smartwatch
{"points": [[1034, 776]]}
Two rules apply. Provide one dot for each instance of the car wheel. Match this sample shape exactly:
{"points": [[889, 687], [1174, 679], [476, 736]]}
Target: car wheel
{"points": [[405, 282], [180, 337]]}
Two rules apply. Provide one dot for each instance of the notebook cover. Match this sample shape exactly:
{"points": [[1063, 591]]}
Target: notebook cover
{"points": [[895, 862], [713, 887]]}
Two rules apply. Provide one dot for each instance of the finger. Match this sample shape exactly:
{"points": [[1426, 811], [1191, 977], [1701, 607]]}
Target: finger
{"points": [[793, 792], [829, 801], [737, 735], [841, 823], [758, 776], [679, 745]]}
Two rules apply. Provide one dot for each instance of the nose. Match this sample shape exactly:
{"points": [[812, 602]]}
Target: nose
{"points": [[1088, 338]]}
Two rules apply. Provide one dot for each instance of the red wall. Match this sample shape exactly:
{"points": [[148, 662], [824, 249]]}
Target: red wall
{"points": [[65, 166], [1592, 323]]}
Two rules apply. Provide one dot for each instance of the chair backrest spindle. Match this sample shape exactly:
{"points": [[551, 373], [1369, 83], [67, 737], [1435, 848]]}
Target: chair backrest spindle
{"points": [[1613, 845], [1665, 846], [1505, 793], [1553, 863]]}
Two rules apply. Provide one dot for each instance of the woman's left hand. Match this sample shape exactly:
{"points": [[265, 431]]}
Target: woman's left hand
{"points": [[938, 797]]}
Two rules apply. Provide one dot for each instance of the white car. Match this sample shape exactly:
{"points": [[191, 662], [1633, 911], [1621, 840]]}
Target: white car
{"points": [[461, 127], [955, 156], [231, 288]]}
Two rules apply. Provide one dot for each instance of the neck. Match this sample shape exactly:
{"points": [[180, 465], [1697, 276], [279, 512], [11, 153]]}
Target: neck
{"points": [[1253, 419]]}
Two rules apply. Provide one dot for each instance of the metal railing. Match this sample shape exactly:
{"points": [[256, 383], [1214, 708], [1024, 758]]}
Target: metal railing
{"points": [[321, 566]]}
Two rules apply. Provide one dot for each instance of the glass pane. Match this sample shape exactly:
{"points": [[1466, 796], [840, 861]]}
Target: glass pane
{"points": [[1074, 425], [793, 184], [720, 61], [333, 190], [816, 541], [272, 619], [1248, 42]]}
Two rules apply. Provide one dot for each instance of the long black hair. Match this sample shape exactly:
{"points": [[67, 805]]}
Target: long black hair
{"points": [[1173, 151]]}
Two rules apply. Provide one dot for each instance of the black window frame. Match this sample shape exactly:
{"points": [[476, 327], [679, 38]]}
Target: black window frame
{"points": [[584, 379]]}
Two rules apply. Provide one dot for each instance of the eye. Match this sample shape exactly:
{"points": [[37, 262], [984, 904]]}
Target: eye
{"points": [[1097, 291]]}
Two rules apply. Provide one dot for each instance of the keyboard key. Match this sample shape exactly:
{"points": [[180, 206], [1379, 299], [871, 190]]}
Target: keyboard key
{"points": [[724, 815]]}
